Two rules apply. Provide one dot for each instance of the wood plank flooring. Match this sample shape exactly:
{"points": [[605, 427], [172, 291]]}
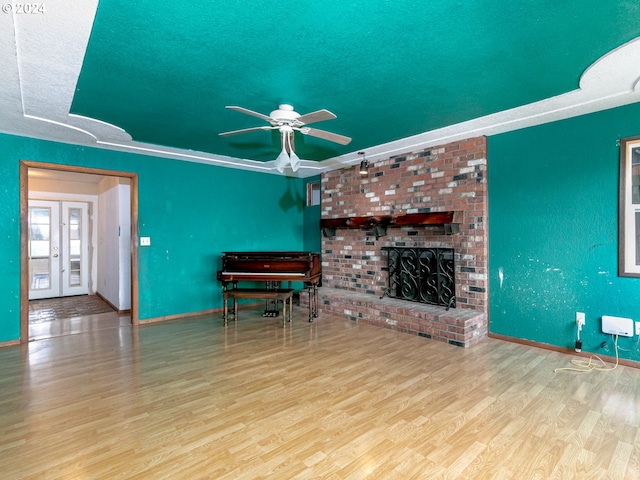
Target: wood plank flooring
{"points": [[334, 400]]}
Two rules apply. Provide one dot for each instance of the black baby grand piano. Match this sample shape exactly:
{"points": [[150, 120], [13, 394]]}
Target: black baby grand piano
{"points": [[274, 267]]}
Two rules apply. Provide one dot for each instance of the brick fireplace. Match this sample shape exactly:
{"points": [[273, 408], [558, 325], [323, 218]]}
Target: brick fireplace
{"points": [[447, 178]]}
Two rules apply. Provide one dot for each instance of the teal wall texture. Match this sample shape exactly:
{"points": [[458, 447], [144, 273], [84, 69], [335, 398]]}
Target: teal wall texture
{"points": [[191, 211], [553, 232]]}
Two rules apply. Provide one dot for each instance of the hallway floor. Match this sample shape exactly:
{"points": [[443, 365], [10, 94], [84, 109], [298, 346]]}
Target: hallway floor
{"points": [[54, 317]]}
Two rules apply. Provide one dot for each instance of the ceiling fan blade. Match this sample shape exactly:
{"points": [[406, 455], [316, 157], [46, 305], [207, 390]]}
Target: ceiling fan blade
{"points": [[316, 116], [244, 130], [332, 137], [249, 112]]}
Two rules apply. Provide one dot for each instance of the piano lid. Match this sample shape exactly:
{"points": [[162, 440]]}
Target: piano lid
{"points": [[267, 265], [271, 254]]}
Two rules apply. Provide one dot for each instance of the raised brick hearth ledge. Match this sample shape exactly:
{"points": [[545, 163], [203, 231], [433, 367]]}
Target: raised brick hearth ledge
{"points": [[458, 326]]}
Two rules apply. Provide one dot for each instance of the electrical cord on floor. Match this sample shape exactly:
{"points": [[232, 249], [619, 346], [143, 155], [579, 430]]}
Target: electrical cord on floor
{"points": [[583, 366]]}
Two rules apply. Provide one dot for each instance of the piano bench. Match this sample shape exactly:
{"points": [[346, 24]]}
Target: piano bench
{"points": [[278, 294]]}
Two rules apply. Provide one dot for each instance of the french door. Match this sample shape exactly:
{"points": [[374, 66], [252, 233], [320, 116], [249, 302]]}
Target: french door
{"points": [[58, 248]]}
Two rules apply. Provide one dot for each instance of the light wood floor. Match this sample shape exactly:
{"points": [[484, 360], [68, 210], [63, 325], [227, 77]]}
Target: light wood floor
{"points": [[333, 400]]}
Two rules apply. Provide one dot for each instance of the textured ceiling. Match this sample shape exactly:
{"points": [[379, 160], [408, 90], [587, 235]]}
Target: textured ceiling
{"points": [[154, 77]]}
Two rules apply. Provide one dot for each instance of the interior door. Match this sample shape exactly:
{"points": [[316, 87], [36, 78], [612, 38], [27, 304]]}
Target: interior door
{"points": [[75, 248], [58, 249], [44, 249]]}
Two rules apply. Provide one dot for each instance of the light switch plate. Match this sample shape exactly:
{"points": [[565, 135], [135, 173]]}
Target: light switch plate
{"points": [[145, 241]]}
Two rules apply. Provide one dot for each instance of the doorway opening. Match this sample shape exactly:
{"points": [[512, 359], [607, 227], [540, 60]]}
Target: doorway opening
{"points": [[68, 246]]}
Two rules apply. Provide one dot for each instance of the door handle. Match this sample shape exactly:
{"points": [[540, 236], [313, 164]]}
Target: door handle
{"points": [[55, 255]]}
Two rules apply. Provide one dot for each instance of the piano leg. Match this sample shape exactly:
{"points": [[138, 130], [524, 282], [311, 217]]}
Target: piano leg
{"points": [[225, 308], [225, 300], [284, 312], [313, 302]]}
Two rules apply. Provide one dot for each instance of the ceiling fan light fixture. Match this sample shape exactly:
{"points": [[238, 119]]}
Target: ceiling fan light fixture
{"points": [[283, 158], [294, 160], [282, 161]]}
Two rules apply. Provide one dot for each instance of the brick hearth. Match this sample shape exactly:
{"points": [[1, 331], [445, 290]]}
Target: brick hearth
{"points": [[457, 326], [449, 177]]}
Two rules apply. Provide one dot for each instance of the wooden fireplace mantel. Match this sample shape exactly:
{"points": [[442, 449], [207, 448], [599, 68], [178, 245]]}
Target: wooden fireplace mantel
{"points": [[450, 220]]}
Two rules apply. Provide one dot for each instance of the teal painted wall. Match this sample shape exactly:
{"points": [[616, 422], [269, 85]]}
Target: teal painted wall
{"points": [[553, 231], [191, 211]]}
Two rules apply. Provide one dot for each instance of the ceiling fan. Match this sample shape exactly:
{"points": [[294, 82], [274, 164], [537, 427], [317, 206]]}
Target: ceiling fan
{"points": [[287, 120]]}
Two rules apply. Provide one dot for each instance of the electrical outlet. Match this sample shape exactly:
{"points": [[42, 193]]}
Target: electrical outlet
{"points": [[145, 241], [580, 319]]}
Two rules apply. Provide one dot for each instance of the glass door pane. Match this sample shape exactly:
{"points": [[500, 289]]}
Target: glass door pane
{"points": [[39, 248], [75, 247]]}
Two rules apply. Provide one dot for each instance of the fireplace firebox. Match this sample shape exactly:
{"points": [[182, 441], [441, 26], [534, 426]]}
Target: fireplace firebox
{"points": [[424, 275]]}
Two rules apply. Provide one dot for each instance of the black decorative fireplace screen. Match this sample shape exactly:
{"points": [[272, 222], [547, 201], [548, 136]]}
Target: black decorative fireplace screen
{"points": [[425, 275]]}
